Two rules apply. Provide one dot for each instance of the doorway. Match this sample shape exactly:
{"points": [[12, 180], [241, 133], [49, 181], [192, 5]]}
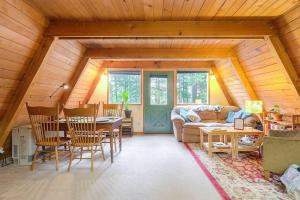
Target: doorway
{"points": [[158, 101]]}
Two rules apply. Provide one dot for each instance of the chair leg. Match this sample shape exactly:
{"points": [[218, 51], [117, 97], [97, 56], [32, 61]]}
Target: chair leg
{"points": [[56, 158], [34, 158], [71, 157], [81, 149], [102, 150], [92, 160]]}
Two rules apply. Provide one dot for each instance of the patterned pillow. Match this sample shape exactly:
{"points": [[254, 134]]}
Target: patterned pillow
{"points": [[184, 114], [193, 116]]}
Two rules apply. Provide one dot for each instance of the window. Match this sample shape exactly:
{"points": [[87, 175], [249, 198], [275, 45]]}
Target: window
{"points": [[192, 87], [121, 81], [158, 90]]}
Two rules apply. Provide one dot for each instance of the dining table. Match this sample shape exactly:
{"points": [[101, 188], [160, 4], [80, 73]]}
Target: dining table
{"points": [[108, 124]]}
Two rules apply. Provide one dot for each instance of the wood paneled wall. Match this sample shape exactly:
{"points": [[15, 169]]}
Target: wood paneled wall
{"points": [[84, 83], [58, 69], [266, 76], [21, 28], [289, 31], [232, 82]]}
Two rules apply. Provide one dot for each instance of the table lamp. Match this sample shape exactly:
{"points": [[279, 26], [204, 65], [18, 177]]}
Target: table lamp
{"points": [[254, 106]]}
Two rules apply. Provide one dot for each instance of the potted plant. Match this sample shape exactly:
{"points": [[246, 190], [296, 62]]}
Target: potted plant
{"points": [[125, 101], [275, 113]]}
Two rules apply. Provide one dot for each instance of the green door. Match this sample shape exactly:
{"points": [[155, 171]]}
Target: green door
{"points": [[158, 102]]}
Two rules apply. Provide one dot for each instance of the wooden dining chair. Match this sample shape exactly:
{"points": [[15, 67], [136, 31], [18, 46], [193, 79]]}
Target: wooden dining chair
{"points": [[45, 127], [83, 131], [113, 110]]}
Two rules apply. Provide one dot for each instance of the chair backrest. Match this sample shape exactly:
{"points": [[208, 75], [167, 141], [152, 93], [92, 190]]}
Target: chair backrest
{"points": [[89, 105], [82, 123], [45, 123], [112, 110]]}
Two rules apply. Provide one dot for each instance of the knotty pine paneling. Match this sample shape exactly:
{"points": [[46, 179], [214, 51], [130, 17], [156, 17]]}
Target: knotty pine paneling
{"points": [[21, 28], [266, 76], [58, 69], [162, 10], [84, 83], [289, 31], [232, 82]]}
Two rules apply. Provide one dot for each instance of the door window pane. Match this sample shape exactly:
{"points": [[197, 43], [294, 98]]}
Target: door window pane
{"points": [[158, 90], [121, 81], [192, 87]]}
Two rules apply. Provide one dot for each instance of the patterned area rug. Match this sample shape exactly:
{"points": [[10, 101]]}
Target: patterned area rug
{"points": [[238, 179]]}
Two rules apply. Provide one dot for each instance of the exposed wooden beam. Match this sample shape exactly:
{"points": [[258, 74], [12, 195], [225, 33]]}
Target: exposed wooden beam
{"points": [[282, 57], [157, 64], [94, 85], [156, 54], [23, 89], [75, 77], [198, 29], [242, 77], [222, 85]]}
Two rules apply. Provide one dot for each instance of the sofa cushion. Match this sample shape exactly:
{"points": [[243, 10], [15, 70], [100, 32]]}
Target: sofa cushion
{"points": [[222, 115], [193, 116], [184, 114], [207, 115], [234, 115], [206, 124]]}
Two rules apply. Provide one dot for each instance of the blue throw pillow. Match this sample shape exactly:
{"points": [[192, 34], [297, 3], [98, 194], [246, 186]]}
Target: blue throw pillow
{"points": [[245, 115], [184, 114], [233, 115], [230, 117]]}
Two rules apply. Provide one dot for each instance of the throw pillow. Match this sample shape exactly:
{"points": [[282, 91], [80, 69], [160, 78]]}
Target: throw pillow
{"points": [[230, 117], [184, 114], [245, 115], [233, 115], [193, 117]]}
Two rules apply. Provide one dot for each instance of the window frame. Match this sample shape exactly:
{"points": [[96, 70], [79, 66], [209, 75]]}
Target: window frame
{"points": [[127, 70], [195, 71]]}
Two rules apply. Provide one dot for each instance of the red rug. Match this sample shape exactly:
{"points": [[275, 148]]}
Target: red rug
{"points": [[240, 178]]}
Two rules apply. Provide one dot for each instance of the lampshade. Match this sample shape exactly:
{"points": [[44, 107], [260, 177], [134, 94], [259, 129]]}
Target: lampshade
{"points": [[254, 106]]}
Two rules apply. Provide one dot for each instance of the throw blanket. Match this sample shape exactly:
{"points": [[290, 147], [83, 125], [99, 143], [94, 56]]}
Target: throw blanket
{"points": [[216, 108], [291, 180]]}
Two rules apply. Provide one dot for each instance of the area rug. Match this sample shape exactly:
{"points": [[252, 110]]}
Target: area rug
{"points": [[238, 179]]}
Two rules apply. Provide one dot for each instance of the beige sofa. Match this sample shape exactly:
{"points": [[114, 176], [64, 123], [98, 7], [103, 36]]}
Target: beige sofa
{"points": [[189, 131]]}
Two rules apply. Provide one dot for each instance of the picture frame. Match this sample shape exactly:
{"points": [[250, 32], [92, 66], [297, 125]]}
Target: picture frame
{"points": [[239, 124]]}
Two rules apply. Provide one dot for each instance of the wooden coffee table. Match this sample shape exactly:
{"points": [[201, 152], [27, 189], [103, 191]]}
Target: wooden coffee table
{"points": [[210, 145], [234, 135]]}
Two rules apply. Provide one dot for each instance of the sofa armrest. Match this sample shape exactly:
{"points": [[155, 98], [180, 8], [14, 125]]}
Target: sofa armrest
{"points": [[178, 123], [280, 152], [251, 121]]}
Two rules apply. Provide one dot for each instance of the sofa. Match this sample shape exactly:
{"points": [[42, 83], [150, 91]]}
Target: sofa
{"points": [[189, 131], [280, 150]]}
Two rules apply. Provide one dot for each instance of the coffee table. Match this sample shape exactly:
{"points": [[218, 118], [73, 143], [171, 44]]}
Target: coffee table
{"points": [[222, 133], [234, 147]]}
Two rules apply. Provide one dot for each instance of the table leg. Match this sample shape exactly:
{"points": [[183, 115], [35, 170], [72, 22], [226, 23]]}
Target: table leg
{"points": [[236, 139], [210, 145], [232, 146], [111, 145], [201, 139], [120, 137]]}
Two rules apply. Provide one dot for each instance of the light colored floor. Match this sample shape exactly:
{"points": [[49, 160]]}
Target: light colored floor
{"points": [[150, 167]]}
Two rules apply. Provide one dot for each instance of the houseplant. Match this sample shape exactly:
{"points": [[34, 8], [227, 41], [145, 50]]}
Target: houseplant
{"points": [[125, 101], [275, 113]]}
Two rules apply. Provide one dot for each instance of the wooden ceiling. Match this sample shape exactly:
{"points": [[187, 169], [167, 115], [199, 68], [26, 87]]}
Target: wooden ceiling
{"points": [[160, 43], [161, 9]]}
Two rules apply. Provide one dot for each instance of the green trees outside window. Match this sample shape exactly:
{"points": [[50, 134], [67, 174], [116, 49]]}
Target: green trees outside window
{"points": [[192, 87], [121, 81]]}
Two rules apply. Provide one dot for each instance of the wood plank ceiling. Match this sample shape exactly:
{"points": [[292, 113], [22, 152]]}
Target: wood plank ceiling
{"points": [[162, 9], [160, 43]]}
